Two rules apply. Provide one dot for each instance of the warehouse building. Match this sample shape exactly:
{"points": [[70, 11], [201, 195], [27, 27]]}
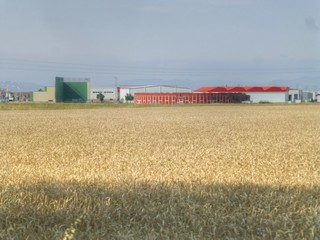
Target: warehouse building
{"points": [[189, 98], [272, 94], [109, 94], [65, 90], [131, 90], [72, 89]]}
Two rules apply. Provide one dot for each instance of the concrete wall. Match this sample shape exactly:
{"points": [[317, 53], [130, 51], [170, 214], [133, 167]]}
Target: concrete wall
{"points": [[48, 95]]}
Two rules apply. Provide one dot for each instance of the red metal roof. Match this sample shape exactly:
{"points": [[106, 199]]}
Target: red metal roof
{"points": [[243, 89]]}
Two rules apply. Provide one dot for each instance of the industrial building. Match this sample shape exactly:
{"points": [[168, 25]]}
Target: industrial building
{"points": [[131, 90], [295, 95], [72, 89], [6, 95], [78, 90], [189, 98], [298, 96], [309, 96], [109, 94], [65, 90], [272, 94], [46, 95]]}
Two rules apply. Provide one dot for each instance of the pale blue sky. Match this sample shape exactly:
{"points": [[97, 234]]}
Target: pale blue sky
{"points": [[189, 42]]}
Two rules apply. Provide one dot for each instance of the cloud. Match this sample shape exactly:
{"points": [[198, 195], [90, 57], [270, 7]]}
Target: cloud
{"points": [[311, 24]]}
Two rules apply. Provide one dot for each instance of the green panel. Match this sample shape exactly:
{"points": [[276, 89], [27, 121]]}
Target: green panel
{"points": [[59, 89], [75, 92], [71, 91]]}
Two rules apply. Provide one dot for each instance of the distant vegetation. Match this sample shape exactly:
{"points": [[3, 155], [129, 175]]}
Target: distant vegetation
{"points": [[129, 97], [55, 106], [100, 97], [108, 104]]}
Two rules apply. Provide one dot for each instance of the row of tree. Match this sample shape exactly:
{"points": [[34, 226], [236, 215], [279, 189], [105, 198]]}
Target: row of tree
{"points": [[128, 97]]}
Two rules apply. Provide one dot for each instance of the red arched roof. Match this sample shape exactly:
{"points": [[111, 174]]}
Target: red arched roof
{"points": [[243, 89]]}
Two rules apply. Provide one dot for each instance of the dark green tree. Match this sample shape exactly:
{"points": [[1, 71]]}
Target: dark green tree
{"points": [[100, 97], [129, 97]]}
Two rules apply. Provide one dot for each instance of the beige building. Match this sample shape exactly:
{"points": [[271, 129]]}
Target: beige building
{"points": [[47, 95]]}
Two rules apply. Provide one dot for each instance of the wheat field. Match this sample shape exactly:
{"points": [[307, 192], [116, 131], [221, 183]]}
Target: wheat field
{"points": [[209, 172]]}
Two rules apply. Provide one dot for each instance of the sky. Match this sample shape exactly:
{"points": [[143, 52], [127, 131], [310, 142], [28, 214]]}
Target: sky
{"points": [[185, 42]]}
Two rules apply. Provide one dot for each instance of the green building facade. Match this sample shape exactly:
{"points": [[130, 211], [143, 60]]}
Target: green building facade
{"points": [[72, 89]]}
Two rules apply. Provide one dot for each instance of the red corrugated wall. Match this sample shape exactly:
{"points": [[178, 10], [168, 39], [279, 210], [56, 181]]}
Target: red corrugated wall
{"points": [[188, 98]]}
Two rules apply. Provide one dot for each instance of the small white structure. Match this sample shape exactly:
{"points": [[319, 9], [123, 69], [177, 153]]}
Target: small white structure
{"points": [[150, 89], [318, 97], [109, 93], [308, 96], [295, 95]]}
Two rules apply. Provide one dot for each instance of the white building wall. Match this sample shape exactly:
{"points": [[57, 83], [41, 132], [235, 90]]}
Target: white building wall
{"points": [[109, 93], [169, 89], [150, 89], [308, 96], [272, 97], [123, 93], [180, 89]]}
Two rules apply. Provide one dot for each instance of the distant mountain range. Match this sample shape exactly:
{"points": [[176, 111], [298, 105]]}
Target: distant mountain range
{"points": [[20, 86]]}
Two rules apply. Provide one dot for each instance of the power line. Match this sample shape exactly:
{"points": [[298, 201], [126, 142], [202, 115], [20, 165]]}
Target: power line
{"points": [[32, 65]]}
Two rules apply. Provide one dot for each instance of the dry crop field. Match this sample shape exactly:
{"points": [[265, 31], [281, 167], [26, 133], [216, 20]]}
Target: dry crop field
{"points": [[209, 172]]}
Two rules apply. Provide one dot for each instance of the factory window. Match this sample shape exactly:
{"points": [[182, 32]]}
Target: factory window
{"points": [[296, 96]]}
